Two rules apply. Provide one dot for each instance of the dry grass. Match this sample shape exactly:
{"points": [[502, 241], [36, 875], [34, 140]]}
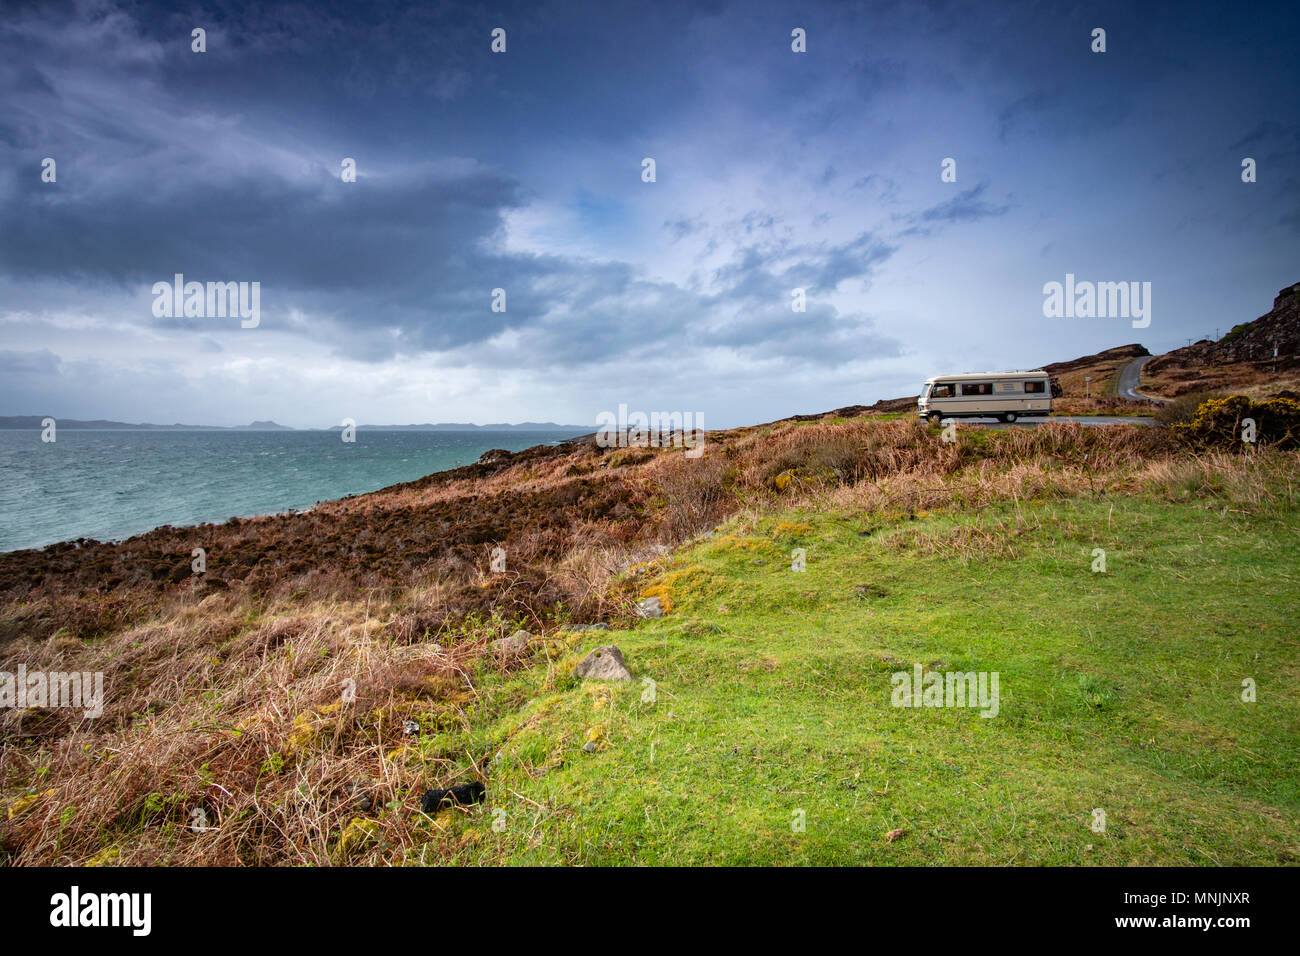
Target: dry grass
{"points": [[1254, 379], [1255, 484], [247, 723]]}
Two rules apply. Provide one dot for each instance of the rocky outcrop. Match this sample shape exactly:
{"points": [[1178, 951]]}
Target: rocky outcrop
{"points": [[1249, 345]]}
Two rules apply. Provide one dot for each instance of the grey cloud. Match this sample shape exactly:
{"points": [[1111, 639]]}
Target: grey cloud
{"points": [[15, 363], [966, 206]]}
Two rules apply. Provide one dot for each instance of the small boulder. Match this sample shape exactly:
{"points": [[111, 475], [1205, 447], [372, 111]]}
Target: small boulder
{"points": [[604, 663], [650, 607], [512, 646]]}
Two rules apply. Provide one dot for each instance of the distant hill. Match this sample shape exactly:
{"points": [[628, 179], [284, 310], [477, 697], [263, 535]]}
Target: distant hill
{"points": [[34, 421], [1120, 355]]}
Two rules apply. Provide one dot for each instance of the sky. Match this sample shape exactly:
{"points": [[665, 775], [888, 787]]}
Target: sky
{"points": [[523, 171]]}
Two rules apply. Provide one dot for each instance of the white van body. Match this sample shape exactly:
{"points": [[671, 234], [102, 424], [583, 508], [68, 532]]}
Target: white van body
{"points": [[1002, 395]]}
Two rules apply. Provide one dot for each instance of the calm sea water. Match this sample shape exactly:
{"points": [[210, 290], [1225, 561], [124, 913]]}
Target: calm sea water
{"points": [[113, 484]]}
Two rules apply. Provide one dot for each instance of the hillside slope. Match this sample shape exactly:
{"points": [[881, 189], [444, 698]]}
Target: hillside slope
{"points": [[301, 694], [1242, 361]]}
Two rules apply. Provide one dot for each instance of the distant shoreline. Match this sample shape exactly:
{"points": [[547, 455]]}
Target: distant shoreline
{"points": [[36, 422]]}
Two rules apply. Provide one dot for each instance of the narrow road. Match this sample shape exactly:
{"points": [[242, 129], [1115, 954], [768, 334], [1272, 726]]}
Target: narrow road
{"points": [[1130, 378]]}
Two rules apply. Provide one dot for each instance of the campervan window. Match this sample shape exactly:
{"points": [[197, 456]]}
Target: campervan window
{"points": [[941, 391], [977, 388], [1039, 386]]}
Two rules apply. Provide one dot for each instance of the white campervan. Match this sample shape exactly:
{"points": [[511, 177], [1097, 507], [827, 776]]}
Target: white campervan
{"points": [[1002, 395]]}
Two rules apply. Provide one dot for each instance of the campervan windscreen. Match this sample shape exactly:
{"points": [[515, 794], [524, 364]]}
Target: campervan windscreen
{"points": [[925, 391]]}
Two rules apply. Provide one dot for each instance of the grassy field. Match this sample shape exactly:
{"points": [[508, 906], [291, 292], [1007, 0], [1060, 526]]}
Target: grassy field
{"points": [[1119, 691], [294, 712]]}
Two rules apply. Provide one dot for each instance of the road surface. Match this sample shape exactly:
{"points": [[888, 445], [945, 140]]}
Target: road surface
{"points": [[1130, 379]]}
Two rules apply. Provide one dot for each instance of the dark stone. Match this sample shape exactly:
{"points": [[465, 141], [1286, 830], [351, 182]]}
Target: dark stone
{"points": [[461, 795]]}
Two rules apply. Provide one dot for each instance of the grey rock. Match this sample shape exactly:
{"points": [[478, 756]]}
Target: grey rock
{"points": [[650, 608], [512, 646], [602, 626], [604, 663], [589, 747]]}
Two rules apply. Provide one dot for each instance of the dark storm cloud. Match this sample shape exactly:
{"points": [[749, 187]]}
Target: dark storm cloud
{"points": [[402, 261], [408, 251]]}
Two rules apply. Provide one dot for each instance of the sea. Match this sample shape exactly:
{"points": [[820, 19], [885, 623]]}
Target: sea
{"points": [[111, 484]]}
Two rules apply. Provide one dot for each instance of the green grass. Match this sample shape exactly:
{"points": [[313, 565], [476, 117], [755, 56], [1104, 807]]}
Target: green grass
{"points": [[1119, 691]]}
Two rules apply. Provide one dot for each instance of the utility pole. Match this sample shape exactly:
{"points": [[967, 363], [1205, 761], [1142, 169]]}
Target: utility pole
{"points": [[1087, 386]]}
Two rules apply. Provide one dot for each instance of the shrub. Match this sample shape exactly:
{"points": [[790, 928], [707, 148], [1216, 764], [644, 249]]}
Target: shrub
{"points": [[1220, 423], [697, 494], [1181, 410]]}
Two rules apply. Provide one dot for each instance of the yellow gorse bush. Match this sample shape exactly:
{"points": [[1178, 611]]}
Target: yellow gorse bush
{"points": [[1237, 421]]}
